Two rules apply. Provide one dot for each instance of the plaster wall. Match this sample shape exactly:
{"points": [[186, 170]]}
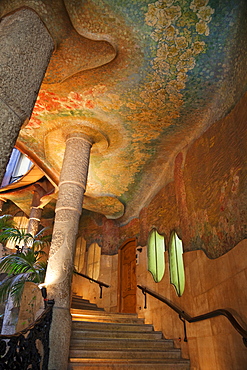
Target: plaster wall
{"points": [[210, 284], [91, 291]]}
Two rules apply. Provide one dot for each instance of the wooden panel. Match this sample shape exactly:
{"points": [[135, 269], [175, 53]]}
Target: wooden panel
{"points": [[127, 277], [93, 261]]}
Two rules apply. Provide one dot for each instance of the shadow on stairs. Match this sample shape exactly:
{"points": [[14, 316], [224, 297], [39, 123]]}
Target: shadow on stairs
{"points": [[102, 340]]}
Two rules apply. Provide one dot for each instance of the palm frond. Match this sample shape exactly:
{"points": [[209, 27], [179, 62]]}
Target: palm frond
{"points": [[5, 288], [20, 263], [41, 240], [17, 286], [7, 264], [20, 272], [15, 235], [6, 221], [39, 254], [16, 292], [23, 266], [42, 233]]}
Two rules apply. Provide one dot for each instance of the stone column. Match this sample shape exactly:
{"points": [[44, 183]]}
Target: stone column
{"points": [[36, 212], [34, 220], [33, 225], [60, 263], [25, 51]]}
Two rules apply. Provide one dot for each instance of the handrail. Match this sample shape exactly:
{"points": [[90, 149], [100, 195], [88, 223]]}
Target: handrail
{"points": [[100, 283], [22, 349], [185, 316]]}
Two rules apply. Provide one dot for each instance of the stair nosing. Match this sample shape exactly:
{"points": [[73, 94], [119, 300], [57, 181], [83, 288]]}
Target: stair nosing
{"points": [[132, 360], [115, 323], [118, 329]]}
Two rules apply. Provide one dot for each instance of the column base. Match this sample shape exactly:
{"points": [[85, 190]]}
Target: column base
{"points": [[60, 339]]}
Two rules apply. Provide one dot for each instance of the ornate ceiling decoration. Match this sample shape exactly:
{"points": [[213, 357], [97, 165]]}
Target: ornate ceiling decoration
{"points": [[149, 76]]}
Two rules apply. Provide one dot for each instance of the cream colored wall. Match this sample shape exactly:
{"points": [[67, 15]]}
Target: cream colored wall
{"points": [[109, 275], [210, 284]]}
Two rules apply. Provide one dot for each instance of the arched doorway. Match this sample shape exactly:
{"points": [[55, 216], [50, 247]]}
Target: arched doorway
{"points": [[127, 277]]}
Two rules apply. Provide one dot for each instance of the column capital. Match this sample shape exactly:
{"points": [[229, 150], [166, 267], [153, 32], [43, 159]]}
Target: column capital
{"points": [[80, 135]]}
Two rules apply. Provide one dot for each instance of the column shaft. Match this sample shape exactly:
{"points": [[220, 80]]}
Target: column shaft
{"points": [[36, 210], [34, 220], [60, 264]]}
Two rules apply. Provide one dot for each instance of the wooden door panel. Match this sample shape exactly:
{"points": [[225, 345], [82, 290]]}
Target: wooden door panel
{"points": [[128, 277]]}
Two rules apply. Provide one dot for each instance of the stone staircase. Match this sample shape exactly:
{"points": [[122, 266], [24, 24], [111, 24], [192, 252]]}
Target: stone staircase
{"points": [[83, 304], [103, 340]]}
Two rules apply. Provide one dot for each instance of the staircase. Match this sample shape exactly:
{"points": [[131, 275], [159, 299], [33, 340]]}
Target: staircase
{"points": [[103, 340]]}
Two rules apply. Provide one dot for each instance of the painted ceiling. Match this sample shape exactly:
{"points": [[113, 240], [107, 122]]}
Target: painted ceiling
{"points": [[145, 78]]}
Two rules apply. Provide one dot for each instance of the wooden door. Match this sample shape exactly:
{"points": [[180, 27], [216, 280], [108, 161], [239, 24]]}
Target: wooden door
{"points": [[127, 277]]}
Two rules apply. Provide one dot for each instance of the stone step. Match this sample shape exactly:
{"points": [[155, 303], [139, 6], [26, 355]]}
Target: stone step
{"points": [[153, 335], [110, 326], [102, 316], [79, 306], [83, 304], [82, 301], [96, 364], [129, 344], [124, 354], [79, 298], [105, 341]]}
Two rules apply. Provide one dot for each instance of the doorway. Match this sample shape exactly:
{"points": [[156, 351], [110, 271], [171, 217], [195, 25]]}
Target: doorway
{"points": [[127, 277]]}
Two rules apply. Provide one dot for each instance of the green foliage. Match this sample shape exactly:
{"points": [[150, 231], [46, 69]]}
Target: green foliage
{"points": [[22, 266], [6, 221], [18, 236]]}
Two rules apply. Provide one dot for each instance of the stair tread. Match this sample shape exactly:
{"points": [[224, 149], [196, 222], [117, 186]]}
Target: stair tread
{"points": [[123, 346], [106, 332], [104, 319], [106, 340], [134, 315], [111, 325], [129, 366], [132, 360], [121, 335], [127, 350], [79, 303], [127, 340], [125, 353]]}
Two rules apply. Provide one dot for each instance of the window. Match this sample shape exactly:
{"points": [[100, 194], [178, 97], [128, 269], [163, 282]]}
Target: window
{"points": [[176, 263], [80, 252], [93, 261], [156, 258], [22, 167], [17, 167]]}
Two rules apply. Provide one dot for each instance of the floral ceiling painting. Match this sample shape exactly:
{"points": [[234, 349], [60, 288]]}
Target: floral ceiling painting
{"points": [[146, 77]]}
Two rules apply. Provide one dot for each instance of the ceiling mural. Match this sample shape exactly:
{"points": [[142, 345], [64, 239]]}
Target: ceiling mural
{"points": [[145, 77]]}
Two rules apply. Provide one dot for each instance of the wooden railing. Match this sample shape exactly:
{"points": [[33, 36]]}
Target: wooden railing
{"points": [[100, 283], [186, 317]]}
